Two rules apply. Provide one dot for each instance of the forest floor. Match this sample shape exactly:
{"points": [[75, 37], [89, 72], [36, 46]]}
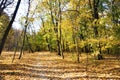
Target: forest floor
{"points": [[48, 66]]}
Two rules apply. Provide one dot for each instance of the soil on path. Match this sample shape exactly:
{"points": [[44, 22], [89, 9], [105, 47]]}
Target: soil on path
{"points": [[48, 66]]}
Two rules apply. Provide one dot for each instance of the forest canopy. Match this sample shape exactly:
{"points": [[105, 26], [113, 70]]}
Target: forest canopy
{"points": [[67, 26], [60, 39]]}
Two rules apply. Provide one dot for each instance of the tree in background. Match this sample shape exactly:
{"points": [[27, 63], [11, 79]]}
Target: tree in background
{"points": [[4, 20], [90, 26], [4, 4]]}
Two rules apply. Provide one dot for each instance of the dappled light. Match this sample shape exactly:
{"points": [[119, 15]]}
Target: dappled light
{"points": [[45, 65], [59, 39]]}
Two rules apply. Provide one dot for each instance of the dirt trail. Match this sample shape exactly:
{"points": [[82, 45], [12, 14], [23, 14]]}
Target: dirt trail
{"points": [[47, 66]]}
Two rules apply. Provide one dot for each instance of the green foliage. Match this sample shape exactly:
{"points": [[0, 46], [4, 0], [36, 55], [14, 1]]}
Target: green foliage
{"points": [[77, 24], [4, 21]]}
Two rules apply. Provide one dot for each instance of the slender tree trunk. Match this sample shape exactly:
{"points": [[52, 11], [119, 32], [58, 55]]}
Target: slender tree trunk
{"points": [[60, 30], [23, 43], [58, 47], [95, 15], [100, 48], [112, 10], [25, 30], [29, 44], [9, 27], [49, 47], [108, 51], [77, 50], [55, 23], [16, 47]]}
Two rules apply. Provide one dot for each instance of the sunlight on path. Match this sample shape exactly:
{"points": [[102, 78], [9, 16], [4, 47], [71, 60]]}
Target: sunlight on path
{"points": [[47, 66]]}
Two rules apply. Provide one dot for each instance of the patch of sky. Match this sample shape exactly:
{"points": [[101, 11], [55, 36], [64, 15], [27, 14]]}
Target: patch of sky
{"points": [[21, 13]]}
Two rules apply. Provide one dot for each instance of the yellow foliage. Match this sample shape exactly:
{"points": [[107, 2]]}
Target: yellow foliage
{"points": [[31, 19], [82, 44], [1, 24], [72, 46]]}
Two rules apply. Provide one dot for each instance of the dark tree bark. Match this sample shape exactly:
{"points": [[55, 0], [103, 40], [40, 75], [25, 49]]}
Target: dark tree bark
{"points": [[94, 7], [4, 4], [9, 27], [95, 15]]}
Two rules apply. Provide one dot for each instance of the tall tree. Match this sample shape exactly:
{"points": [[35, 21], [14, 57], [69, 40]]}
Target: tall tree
{"points": [[95, 15], [25, 30], [9, 27]]}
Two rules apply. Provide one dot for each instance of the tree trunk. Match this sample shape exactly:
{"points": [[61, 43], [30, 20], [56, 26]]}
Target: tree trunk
{"points": [[23, 43], [60, 30], [9, 27], [58, 47], [29, 44], [56, 29], [25, 30], [95, 15], [49, 47], [77, 50], [16, 47]]}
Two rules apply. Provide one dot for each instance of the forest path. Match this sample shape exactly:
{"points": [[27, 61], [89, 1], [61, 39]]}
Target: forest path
{"points": [[47, 66]]}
